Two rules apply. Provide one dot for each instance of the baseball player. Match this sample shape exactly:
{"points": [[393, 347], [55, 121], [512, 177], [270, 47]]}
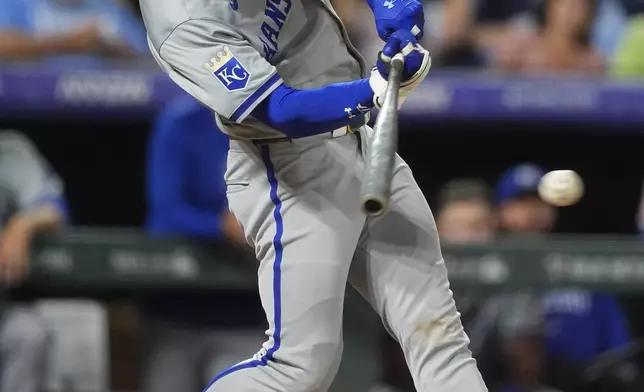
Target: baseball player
{"points": [[31, 202], [293, 94]]}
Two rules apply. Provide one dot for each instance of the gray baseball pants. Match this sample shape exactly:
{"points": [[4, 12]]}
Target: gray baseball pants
{"points": [[24, 344], [299, 205]]}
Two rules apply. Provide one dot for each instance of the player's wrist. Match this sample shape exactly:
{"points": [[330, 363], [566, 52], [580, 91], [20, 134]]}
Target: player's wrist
{"points": [[366, 93], [378, 85]]}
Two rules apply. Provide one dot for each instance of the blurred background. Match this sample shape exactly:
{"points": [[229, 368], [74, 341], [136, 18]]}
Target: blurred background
{"points": [[122, 270]]}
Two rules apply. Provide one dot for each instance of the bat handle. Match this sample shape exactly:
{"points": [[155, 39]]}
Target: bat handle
{"points": [[379, 162]]}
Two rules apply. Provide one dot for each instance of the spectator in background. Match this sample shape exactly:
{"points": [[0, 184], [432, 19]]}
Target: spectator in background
{"points": [[520, 333], [629, 60], [609, 27], [579, 325], [31, 202], [465, 213], [474, 29], [193, 338], [562, 42], [77, 32], [521, 210]]}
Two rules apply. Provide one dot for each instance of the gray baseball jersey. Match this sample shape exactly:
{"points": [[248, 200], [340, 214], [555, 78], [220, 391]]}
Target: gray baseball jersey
{"points": [[26, 179], [231, 54]]}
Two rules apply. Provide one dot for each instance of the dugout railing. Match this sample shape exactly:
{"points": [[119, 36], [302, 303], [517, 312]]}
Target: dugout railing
{"points": [[125, 263], [126, 260]]}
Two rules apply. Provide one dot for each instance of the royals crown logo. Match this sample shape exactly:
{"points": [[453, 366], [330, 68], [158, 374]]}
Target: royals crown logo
{"points": [[219, 60], [227, 68]]}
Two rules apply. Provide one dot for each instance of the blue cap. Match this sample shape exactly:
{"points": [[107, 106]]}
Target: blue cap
{"points": [[519, 180]]}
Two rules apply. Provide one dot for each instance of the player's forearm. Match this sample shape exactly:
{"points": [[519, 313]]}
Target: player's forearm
{"points": [[41, 219], [16, 45], [20, 46], [301, 113]]}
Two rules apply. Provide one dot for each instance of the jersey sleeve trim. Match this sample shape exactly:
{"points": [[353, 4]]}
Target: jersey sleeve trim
{"points": [[256, 98]]}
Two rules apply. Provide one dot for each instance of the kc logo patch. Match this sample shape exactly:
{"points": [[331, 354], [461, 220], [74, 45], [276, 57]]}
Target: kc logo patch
{"points": [[228, 70]]}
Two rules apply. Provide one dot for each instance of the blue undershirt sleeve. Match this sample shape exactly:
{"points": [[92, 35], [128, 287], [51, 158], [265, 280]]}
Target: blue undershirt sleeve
{"points": [[301, 113]]}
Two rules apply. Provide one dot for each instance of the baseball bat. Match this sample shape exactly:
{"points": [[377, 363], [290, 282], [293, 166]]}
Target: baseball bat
{"points": [[381, 152]]}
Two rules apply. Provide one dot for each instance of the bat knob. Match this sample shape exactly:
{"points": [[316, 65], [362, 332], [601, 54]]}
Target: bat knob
{"points": [[374, 206]]}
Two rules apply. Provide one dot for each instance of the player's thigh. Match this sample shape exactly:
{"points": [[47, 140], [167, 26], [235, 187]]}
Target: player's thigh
{"points": [[398, 267], [398, 258]]}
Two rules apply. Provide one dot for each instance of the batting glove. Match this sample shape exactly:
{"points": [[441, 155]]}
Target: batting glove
{"points": [[395, 15], [417, 66]]}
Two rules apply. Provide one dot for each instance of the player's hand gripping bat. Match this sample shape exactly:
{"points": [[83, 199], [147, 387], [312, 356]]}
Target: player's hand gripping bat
{"points": [[381, 152]]}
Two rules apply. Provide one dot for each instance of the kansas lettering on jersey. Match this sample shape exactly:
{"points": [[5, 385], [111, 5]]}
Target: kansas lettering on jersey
{"points": [[277, 12]]}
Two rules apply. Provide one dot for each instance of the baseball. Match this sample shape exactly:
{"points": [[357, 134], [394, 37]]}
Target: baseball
{"points": [[561, 188]]}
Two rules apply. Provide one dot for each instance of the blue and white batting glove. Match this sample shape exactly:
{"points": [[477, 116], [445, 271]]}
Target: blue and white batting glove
{"points": [[417, 66], [396, 15]]}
